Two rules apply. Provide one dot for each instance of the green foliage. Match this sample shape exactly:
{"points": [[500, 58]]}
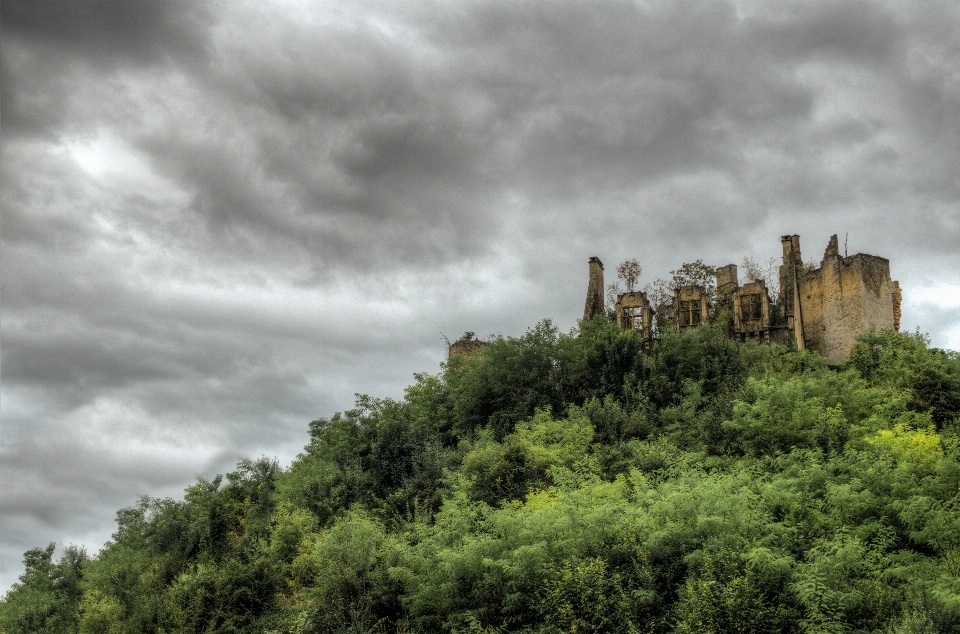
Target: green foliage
{"points": [[511, 379], [342, 581], [48, 594], [495, 472], [819, 409], [228, 597], [612, 362], [732, 596], [565, 483], [705, 356], [333, 472], [585, 596], [612, 423], [904, 361], [100, 614]]}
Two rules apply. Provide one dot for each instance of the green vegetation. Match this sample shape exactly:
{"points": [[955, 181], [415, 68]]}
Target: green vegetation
{"points": [[565, 483]]}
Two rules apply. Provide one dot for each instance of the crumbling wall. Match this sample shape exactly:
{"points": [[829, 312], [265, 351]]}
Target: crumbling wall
{"points": [[790, 271], [690, 307], [727, 279], [843, 298], [465, 347], [751, 321]]}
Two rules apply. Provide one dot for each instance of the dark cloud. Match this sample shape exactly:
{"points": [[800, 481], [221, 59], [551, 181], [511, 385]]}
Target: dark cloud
{"points": [[860, 31], [106, 31], [222, 220], [49, 47]]}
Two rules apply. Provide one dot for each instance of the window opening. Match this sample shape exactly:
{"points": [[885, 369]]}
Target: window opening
{"points": [[690, 313], [751, 307], [633, 317]]}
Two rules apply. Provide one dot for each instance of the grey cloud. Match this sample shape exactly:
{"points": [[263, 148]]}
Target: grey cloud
{"points": [[564, 100], [44, 43], [22, 221], [364, 202], [111, 31], [864, 32], [33, 102]]}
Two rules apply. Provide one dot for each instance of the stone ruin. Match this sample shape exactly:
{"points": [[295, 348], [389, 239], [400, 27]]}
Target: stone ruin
{"points": [[821, 309], [465, 347]]}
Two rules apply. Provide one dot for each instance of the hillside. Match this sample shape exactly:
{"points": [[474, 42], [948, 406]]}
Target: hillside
{"points": [[565, 482]]}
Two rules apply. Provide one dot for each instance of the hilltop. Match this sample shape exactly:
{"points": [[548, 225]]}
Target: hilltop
{"points": [[565, 482]]}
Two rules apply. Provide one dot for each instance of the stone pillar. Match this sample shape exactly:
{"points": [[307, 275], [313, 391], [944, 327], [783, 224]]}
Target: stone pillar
{"points": [[787, 270], [897, 297], [789, 286], [594, 303]]}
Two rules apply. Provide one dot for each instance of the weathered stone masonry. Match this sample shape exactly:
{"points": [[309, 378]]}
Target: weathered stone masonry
{"points": [[633, 313], [465, 347], [822, 309], [594, 304], [844, 297]]}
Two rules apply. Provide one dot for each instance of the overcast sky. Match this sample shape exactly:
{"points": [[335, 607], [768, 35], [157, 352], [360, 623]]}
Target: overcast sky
{"points": [[221, 221]]}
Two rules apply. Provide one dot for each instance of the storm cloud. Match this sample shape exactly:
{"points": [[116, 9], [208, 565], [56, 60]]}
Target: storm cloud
{"points": [[222, 220]]}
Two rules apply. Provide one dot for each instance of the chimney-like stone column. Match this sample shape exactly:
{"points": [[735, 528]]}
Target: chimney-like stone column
{"points": [[594, 303], [789, 286]]}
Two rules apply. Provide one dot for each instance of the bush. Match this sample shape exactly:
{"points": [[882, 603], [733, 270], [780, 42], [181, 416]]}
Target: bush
{"points": [[706, 356]]}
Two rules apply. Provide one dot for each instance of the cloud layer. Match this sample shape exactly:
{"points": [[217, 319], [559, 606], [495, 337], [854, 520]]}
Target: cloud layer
{"points": [[220, 221]]}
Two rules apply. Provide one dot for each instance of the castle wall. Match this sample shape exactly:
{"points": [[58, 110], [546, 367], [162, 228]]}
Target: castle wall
{"points": [[727, 279], [813, 310], [897, 297], [695, 297], [789, 274], [843, 298]]}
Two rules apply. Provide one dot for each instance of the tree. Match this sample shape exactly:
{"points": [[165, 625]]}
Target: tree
{"points": [[660, 291], [628, 272], [47, 596], [766, 271]]}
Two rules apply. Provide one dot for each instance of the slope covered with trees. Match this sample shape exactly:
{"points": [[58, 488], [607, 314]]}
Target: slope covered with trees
{"points": [[565, 483]]}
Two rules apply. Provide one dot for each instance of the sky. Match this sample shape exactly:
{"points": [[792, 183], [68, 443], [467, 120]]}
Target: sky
{"points": [[220, 221]]}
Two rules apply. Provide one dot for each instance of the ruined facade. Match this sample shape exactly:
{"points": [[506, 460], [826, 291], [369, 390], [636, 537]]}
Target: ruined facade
{"points": [[821, 309], [690, 307], [633, 313], [753, 317]]}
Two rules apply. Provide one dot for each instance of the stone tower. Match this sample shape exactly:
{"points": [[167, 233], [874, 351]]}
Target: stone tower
{"points": [[844, 297]]}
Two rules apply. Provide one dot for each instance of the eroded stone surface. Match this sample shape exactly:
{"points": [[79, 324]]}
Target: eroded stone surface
{"points": [[594, 303]]}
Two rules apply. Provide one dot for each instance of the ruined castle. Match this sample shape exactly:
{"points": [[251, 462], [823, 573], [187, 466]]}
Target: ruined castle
{"points": [[821, 309]]}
